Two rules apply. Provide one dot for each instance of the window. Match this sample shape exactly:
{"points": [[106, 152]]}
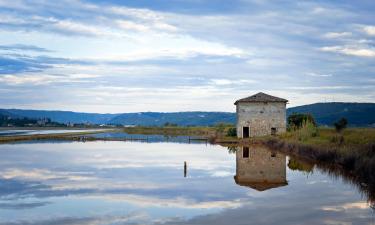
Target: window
{"points": [[273, 131], [245, 152]]}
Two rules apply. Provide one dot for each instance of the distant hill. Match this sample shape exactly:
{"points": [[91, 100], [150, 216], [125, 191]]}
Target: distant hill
{"points": [[63, 116], [358, 114], [180, 118]]}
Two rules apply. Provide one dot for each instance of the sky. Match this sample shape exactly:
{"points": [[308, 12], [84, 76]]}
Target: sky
{"points": [[183, 55]]}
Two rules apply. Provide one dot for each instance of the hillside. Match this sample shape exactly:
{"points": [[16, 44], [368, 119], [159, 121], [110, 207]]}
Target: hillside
{"points": [[358, 114], [64, 116], [180, 118]]}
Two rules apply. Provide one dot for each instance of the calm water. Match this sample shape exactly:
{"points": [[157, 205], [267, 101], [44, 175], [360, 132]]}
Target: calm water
{"points": [[19, 132], [148, 137], [145, 183]]}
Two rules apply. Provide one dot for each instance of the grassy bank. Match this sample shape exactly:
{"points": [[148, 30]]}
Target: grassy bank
{"points": [[352, 151]]}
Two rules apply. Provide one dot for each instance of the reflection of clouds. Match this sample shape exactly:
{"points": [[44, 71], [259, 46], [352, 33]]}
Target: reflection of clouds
{"points": [[179, 202], [222, 174], [348, 206], [115, 178], [113, 220], [42, 174], [22, 205]]}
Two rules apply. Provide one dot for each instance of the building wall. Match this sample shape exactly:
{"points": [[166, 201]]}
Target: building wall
{"points": [[262, 165], [260, 117]]}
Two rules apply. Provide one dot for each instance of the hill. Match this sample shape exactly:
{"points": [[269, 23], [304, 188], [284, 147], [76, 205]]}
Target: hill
{"points": [[63, 116], [180, 118], [358, 114]]}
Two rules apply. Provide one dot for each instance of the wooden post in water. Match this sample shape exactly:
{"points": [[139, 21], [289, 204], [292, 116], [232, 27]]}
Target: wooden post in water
{"points": [[185, 169]]}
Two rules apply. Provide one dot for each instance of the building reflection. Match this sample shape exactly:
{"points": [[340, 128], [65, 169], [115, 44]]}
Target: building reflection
{"points": [[259, 168]]}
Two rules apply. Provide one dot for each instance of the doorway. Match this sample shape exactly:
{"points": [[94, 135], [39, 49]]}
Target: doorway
{"points": [[245, 152], [245, 132], [273, 131]]}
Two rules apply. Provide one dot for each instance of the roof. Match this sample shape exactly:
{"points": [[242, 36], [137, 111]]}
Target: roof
{"points": [[261, 97], [260, 186]]}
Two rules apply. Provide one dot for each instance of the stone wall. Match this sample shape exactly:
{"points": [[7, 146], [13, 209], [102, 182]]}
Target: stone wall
{"points": [[260, 117]]}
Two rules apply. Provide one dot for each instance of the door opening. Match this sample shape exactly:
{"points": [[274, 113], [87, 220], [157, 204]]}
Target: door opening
{"points": [[273, 131], [245, 152], [246, 132]]}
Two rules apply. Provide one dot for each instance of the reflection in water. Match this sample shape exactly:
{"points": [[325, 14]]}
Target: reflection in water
{"points": [[259, 168], [185, 169], [295, 164], [141, 183]]}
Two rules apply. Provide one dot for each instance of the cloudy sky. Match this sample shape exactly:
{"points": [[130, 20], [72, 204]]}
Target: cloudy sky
{"points": [[183, 55]]}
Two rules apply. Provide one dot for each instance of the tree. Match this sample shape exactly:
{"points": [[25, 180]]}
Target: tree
{"points": [[341, 124], [296, 121], [232, 132]]}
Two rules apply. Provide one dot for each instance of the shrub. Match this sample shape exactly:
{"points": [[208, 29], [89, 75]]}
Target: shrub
{"points": [[306, 131], [232, 132], [341, 124], [296, 121], [220, 127]]}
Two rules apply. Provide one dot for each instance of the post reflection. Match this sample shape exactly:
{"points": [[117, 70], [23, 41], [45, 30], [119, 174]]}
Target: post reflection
{"points": [[259, 168]]}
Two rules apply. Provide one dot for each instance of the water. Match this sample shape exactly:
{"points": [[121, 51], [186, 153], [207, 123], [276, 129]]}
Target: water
{"points": [[144, 183], [18, 132], [149, 137]]}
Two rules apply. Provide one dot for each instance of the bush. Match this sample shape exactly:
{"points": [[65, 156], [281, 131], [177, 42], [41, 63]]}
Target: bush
{"points": [[306, 131], [232, 132], [296, 121], [220, 127], [341, 124]]}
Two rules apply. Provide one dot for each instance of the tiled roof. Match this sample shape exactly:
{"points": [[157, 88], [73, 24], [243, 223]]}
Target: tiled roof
{"points": [[261, 97]]}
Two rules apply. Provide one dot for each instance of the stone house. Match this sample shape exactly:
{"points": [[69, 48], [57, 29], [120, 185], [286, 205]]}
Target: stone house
{"points": [[260, 114], [259, 168]]}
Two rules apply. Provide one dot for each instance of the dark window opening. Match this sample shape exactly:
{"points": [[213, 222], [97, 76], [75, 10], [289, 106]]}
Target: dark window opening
{"points": [[245, 152], [246, 132], [273, 154], [273, 131]]}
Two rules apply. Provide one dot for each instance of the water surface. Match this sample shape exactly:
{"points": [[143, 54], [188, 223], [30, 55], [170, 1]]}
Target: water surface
{"points": [[145, 183], [18, 132]]}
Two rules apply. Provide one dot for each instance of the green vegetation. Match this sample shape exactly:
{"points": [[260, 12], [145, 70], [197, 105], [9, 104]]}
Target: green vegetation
{"points": [[298, 120], [341, 124], [232, 132], [295, 164], [352, 150]]}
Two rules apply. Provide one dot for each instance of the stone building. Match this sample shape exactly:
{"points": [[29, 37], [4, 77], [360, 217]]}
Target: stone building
{"points": [[259, 168], [260, 115]]}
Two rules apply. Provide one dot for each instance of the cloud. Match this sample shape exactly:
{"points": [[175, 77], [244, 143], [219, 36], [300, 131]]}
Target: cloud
{"points": [[354, 51], [318, 75], [337, 34], [22, 47], [45, 79], [370, 30], [179, 47], [231, 82]]}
